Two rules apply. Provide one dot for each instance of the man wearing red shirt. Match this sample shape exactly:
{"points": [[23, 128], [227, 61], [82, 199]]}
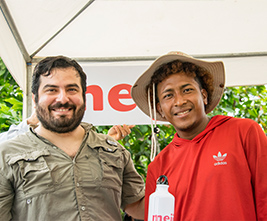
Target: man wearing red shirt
{"points": [[216, 166]]}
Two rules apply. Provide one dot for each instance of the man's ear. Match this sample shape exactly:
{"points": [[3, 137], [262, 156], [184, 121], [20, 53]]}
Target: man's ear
{"points": [[205, 96], [160, 110], [33, 101]]}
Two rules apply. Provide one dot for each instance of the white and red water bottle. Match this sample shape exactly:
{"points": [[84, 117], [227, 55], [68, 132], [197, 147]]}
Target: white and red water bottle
{"points": [[161, 202]]}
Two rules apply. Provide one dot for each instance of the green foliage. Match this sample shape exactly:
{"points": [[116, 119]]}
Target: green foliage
{"points": [[10, 99], [245, 102]]}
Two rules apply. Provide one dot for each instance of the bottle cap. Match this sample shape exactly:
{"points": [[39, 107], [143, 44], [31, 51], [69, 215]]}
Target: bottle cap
{"points": [[162, 180]]}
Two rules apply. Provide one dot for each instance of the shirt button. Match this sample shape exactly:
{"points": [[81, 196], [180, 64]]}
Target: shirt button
{"points": [[29, 201], [78, 184], [55, 147], [83, 208]]}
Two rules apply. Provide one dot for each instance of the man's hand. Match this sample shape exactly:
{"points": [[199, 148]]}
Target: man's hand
{"points": [[118, 132]]}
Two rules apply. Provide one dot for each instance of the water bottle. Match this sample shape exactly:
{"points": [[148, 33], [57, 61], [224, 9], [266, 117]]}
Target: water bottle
{"points": [[161, 202]]}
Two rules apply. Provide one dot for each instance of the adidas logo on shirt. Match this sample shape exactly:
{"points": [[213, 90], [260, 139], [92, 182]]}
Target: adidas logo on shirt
{"points": [[220, 159]]}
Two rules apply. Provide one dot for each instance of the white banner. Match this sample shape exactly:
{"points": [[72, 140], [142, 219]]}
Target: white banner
{"points": [[108, 96]]}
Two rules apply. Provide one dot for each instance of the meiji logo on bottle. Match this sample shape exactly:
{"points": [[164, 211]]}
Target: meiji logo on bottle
{"points": [[162, 218]]}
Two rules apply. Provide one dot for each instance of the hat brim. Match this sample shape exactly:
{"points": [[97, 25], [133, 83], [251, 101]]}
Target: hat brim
{"points": [[216, 69]]}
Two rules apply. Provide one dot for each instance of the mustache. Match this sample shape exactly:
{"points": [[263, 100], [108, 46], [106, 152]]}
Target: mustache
{"points": [[60, 105]]}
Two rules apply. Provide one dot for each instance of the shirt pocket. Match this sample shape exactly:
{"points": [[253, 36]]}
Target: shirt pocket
{"points": [[34, 175], [111, 163]]}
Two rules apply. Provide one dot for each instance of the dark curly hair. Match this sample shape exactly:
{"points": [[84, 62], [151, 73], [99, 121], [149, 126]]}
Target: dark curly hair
{"points": [[201, 75], [45, 66]]}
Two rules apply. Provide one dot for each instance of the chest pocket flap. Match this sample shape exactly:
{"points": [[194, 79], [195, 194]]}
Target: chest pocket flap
{"points": [[30, 156], [35, 173]]}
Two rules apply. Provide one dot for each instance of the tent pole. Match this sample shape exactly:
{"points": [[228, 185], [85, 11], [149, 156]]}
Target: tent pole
{"points": [[27, 98]]}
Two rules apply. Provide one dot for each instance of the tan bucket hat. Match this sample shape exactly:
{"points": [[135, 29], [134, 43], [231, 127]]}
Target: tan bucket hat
{"points": [[216, 69]]}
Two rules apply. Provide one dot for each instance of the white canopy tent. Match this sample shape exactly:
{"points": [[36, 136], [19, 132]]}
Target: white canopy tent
{"points": [[115, 40]]}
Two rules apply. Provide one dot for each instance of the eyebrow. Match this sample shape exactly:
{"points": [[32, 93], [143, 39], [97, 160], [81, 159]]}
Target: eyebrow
{"points": [[73, 85], [50, 85], [167, 90], [181, 87], [55, 86], [185, 85]]}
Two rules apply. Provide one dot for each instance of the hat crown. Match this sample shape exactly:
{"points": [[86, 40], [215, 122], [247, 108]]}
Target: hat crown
{"points": [[179, 53]]}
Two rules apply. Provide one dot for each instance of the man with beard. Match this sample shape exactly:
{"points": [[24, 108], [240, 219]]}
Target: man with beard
{"points": [[216, 166], [62, 170]]}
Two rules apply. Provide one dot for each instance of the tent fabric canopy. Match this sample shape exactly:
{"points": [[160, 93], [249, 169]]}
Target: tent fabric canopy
{"points": [[136, 30]]}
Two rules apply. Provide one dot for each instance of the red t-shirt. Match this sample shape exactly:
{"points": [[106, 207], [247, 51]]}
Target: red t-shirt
{"points": [[219, 175]]}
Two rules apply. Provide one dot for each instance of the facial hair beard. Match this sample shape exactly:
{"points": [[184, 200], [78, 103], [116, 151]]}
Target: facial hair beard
{"points": [[60, 124]]}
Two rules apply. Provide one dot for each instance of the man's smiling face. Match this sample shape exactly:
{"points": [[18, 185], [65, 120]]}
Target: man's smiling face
{"points": [[182, 102], [60, 107]]}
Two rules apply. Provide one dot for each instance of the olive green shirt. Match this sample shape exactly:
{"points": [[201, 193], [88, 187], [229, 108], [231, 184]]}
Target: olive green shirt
{"points": [[39, 181]]}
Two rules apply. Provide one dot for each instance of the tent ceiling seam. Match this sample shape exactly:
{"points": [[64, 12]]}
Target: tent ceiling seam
{"points": [[63, 27], [6, 13], [148, 58]]}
